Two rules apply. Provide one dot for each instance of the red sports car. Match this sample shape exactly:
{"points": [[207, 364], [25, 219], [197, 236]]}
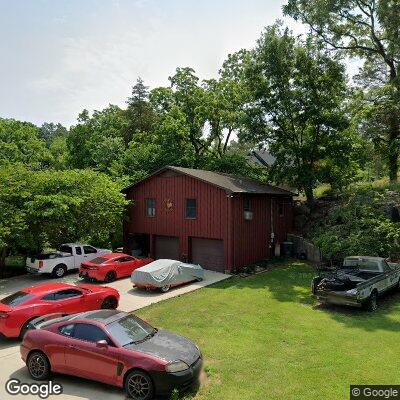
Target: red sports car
{"points": [[112, 347], [18, 309], [110, 267]]}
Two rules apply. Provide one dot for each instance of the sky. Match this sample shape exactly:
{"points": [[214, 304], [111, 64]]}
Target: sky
{"points": [[61, 56]]}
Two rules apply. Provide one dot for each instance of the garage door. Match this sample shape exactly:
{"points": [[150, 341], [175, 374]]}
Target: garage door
{"points": [[167, 247], [209, 253]]}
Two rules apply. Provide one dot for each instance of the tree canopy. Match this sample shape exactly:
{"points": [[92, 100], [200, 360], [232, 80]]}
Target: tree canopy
{"points": [[297, 109], [47, 208], [370, 30]]}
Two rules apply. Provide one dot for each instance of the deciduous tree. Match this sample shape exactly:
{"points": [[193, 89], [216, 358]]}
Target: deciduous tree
{"points": [[369, 29], [297, 111]]}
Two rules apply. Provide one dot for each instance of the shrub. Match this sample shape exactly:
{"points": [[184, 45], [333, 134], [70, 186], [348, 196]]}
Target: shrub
{"points": [[361, 225]]}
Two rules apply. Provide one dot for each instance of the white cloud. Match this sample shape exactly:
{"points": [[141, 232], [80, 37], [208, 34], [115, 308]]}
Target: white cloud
{"points": [[88, 54]]}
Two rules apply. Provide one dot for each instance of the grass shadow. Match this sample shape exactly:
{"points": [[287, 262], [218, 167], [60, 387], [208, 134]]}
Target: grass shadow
{"points": [[290, 282]]}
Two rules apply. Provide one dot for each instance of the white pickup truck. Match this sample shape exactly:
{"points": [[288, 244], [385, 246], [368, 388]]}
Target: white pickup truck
{"points": [[68, 256]]}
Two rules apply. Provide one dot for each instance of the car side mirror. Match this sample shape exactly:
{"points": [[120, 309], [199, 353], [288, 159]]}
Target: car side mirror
{"points": [[102, 344]]}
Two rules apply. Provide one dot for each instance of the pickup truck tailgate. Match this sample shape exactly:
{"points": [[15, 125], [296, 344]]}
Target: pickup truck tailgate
{"points": [[32, 264], [340, 298]]}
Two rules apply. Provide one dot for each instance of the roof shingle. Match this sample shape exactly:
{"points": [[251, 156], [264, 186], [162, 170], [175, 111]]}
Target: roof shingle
{"points": [[228, 182]]}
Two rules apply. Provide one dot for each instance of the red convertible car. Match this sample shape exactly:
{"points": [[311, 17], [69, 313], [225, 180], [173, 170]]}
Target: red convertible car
{"points": [[112, 347], [18, 309], [110, 267]]}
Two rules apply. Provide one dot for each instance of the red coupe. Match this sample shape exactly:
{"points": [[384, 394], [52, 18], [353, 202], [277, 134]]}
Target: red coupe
{"points": [[110, 267], [18, 309], [112, 347]]}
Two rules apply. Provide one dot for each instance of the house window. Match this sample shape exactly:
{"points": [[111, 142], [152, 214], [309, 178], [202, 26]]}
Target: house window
{"points": [[191, 208], [247, 204], [150, 207], [281, 210]]}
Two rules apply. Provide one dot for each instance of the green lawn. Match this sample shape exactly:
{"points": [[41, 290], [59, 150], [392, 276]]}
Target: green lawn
{"points": [[263, 337]]}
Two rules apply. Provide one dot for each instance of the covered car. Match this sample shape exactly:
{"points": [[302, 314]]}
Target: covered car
{"points": [[164, 274]]}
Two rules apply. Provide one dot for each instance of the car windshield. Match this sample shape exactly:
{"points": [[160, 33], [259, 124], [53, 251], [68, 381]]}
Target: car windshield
{"points": [[99, 260], [351, 263], [16, 299], [362, 264], [130, 330]]}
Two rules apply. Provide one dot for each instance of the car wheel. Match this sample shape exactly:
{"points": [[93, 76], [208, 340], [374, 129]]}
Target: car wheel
{"points": [[38, 366], [110, 276], [372, 302], [59, 271], [138, 386], [165, 288], [109, 303]]}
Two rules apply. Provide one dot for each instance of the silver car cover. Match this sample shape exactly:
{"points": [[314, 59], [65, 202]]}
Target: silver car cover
{"points": [[161, 273]]}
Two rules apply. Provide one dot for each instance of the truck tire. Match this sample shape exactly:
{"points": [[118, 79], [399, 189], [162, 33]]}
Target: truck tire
{"points": [[372, 303], [314, 284], [59, 271]]}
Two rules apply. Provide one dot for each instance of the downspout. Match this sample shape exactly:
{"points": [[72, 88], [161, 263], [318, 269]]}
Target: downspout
{"points": [[272, 239], [231, 232]]}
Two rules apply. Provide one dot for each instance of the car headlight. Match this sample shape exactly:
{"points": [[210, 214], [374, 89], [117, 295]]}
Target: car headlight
{"points": [[176, 366]]}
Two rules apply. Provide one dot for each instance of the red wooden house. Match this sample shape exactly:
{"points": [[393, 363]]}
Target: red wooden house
{"points": [[217, 220]]}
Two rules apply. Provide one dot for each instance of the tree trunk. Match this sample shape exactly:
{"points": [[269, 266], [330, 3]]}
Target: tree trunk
{"points": [[309, 195], [393, 156], [3, 254], [393, 147], [394, 134], [393, 165], [227, 140]]}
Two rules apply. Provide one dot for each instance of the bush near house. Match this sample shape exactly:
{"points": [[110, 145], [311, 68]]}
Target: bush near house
{"points": [[364, 219]]}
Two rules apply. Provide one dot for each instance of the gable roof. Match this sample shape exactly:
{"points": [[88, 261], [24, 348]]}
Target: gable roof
{"points": [[228, 182]]}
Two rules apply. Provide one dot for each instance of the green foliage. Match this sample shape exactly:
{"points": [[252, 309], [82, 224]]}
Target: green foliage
{"points": [[140, 116], [96, 141], [369, 30], [361, 224], [46, 208], [50, 131], [20, 143], [297, 110]]}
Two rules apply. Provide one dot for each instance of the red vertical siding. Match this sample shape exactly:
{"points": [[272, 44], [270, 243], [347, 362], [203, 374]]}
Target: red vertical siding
{"points": [[251, 237], [283, 224], [219, 216], [212, 209]]}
